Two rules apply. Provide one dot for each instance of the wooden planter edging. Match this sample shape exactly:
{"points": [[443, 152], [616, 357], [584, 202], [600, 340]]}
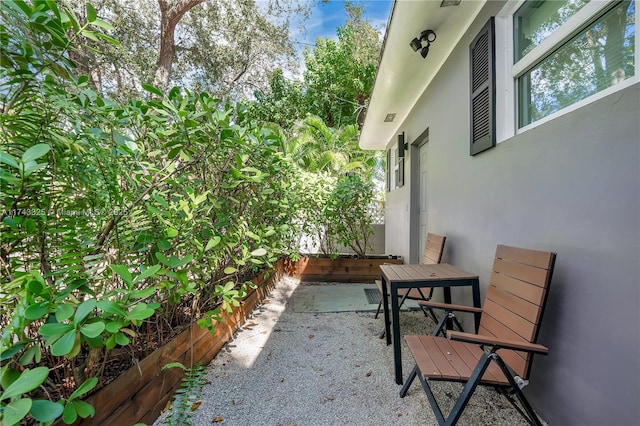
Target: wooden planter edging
{"points": [[140, 393], [341, 269]]}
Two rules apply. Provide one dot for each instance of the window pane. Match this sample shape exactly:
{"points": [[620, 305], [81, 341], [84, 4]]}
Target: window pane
{"points": [[536, 20], [599, 57]]}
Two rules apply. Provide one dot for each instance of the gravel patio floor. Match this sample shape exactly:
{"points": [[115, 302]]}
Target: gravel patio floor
{"points": [[296, 368]]}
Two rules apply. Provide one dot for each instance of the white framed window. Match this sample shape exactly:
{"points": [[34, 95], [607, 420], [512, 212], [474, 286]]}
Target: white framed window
{"points": [[557, 55]]}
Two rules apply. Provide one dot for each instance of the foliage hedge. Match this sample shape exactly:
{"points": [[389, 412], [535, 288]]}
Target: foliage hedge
{"points": [[121, 222]]}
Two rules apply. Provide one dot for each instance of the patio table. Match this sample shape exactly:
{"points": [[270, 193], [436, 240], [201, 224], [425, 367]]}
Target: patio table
{"points": [[420, 276]]}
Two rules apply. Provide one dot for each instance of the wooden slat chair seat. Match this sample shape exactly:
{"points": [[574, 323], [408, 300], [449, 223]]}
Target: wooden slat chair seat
{"points": [[432, 253], [500, 354], [451, 360]]}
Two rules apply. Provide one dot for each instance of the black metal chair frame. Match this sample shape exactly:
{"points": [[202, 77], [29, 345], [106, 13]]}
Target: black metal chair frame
{"points": [[474, 380], [490, 345]]}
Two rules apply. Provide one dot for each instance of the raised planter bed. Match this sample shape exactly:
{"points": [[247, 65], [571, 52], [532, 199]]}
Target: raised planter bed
{"points": [[342, 269], [140, 393]]}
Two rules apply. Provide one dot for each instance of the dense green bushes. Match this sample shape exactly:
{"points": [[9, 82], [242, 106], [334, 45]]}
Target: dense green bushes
{"points": [[123, 222]]}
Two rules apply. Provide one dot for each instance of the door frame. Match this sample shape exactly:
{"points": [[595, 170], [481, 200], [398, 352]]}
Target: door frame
{"points": [[414, 203]]}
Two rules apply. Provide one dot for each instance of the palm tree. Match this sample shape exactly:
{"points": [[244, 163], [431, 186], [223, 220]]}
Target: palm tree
{"points": [[316, 147]]}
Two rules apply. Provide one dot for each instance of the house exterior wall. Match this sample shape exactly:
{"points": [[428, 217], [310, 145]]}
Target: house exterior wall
{"points": [[571, 185]]}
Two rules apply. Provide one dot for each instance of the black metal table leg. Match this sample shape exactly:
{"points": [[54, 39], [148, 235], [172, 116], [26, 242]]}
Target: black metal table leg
{"points": [[475, 286], [447, 299], [395, 314]]}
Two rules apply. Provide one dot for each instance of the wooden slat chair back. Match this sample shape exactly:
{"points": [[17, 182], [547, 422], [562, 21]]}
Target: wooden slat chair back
{"points": [[431, 254], [500, 354], [515, 300], [433, 249]]}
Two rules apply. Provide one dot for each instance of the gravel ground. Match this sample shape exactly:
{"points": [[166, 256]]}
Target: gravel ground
{"points": [[288, 368]]}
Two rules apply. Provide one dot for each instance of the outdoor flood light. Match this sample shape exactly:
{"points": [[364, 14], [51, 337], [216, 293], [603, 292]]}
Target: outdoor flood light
{"points": [[428, 36], [415, 44], [425, 51]]}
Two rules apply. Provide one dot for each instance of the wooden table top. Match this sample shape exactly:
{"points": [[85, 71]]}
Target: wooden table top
{"points": [[419, 272]]}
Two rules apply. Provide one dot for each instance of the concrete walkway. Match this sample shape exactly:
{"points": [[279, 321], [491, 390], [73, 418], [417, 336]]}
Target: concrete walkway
{"points": [[307, 368]]}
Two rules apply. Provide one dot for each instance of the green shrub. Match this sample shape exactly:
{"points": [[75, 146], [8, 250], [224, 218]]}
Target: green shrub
{"points": [[121, 222], [117, 219]]}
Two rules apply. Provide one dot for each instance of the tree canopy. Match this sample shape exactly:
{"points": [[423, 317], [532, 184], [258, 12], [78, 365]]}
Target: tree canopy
{"points": [[337, 81], [226, 48]]}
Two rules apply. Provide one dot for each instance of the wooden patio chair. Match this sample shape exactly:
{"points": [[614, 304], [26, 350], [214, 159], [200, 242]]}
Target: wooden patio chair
{"points": [[432, 253], [500, 354]]}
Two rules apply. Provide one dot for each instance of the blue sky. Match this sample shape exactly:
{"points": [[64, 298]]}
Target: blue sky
{"points": [[325, 18]]}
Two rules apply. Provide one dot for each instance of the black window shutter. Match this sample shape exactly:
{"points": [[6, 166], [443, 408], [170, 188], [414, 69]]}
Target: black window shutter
{"points": [[388, 170], [483, 89]]}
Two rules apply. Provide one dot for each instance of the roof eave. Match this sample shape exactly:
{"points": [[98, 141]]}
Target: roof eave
{"points": [[403, 75]]}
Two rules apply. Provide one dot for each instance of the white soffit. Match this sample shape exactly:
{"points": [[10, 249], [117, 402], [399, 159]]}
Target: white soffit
{"points": [[403, 75]]}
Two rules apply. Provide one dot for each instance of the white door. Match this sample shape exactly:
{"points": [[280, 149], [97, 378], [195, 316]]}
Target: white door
{"points": [[423, 199]]}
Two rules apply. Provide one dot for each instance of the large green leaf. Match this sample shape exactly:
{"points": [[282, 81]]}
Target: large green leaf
{"points": [[9, 160], [121, 339], [123, 272], [11, 350], [33, 353], [19, 6], [212, 243], [64, 345], [85, 387], [91, 35], [15, 411], [162, 258], [177, 263], [32, 166], [114, 326], [91, 12], [142, 294], [8, 177], [28, 381], [9, 375], [84, 309], [140, 311], [111, 308], [84, 409], [64, 312], [46, 411], [106, 26], [35, 152], [149, 88], [92, 330], [54, 330], [147, 273], [110, 343], [162, 244], [69, 414], [253, 236]]}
